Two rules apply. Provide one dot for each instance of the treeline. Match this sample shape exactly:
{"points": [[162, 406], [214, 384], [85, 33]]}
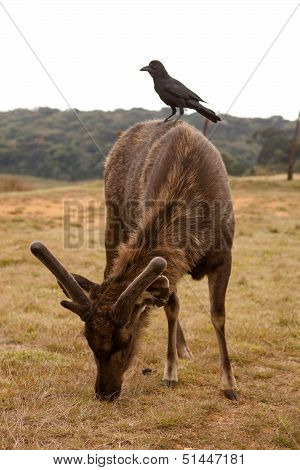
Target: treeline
{"points": [[56, 144]]}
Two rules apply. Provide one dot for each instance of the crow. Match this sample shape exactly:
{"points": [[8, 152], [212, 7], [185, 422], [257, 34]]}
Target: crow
{"points": [[175, 94]]}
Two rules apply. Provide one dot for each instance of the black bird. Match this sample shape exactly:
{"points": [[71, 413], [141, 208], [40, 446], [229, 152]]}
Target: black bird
{"points": [[175, 94]]}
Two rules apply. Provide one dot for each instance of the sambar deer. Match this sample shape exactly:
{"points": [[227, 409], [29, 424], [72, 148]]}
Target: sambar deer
{"points": [[169, 212]]}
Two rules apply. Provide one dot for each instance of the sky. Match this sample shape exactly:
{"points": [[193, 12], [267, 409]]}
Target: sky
{"points": [[93, 50]]}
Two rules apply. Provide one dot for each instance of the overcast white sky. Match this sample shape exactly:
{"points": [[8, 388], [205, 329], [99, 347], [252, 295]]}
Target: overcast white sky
{"points": [[94, 49]]}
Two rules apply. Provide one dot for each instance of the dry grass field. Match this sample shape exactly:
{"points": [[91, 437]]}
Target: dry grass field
{"points": [[47, 371]]}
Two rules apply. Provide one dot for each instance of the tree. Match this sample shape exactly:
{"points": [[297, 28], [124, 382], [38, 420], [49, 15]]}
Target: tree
{"points": [[292, 156]]}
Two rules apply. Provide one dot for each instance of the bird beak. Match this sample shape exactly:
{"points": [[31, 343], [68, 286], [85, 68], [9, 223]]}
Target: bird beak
{"points": [[145, 69]]}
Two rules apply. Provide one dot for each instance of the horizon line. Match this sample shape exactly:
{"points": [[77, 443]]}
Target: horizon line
{"points": [[37, 108]]}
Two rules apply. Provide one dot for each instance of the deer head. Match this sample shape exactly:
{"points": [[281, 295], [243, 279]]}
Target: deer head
{"points": [[113, 313]]}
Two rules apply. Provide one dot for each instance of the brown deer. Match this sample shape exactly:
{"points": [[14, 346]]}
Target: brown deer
{"points": [[169, 212]]}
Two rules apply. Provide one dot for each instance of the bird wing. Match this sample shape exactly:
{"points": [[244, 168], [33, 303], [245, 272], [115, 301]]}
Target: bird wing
{"points": [[178, 89]]}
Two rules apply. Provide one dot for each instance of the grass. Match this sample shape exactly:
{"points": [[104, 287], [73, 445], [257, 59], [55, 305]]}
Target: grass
{"points": [[47, 371], [14, 183]]}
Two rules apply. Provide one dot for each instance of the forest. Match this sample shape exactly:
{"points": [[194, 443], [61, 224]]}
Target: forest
{"points": [[71, 145]]}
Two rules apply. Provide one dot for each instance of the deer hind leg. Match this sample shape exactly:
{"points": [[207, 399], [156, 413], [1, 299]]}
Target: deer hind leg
{"points": [[183, 350], [217, 283], [177, 346]]}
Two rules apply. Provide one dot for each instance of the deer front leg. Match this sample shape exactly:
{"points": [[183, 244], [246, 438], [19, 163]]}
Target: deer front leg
{"points": [[172, 310]]}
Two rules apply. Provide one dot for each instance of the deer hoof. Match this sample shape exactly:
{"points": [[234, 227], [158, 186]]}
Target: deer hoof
{"points": [[231, 394], [169, 383], [185, 353]]}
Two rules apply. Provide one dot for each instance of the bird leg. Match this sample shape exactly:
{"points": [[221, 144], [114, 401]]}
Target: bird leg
{"points": [[173, 112], [181, 113]]}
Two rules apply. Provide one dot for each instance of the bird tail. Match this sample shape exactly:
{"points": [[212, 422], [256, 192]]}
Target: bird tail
{"points": [[208, 113]]}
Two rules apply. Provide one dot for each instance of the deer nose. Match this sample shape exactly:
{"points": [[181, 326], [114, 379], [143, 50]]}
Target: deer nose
{"points": [[108, 396], [107, 392]]}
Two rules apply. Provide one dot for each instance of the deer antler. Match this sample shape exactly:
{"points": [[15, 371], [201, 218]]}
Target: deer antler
{"points": [[81, 304]]}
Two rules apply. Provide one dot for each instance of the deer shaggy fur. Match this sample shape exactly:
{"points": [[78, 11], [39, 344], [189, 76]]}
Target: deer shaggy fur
{"points": [[162, 184]]}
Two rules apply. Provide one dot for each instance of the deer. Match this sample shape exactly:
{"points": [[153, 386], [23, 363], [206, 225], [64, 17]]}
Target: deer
{"points": [[169, 213]]}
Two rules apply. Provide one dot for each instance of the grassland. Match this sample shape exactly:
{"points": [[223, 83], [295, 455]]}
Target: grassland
{"points": [[47, 371], [16, 183]]}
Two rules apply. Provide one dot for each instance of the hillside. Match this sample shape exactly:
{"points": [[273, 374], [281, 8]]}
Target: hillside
{"points": [[50, 143]]}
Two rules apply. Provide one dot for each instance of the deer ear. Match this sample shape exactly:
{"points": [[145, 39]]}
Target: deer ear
{"points": [[157, 293]]}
